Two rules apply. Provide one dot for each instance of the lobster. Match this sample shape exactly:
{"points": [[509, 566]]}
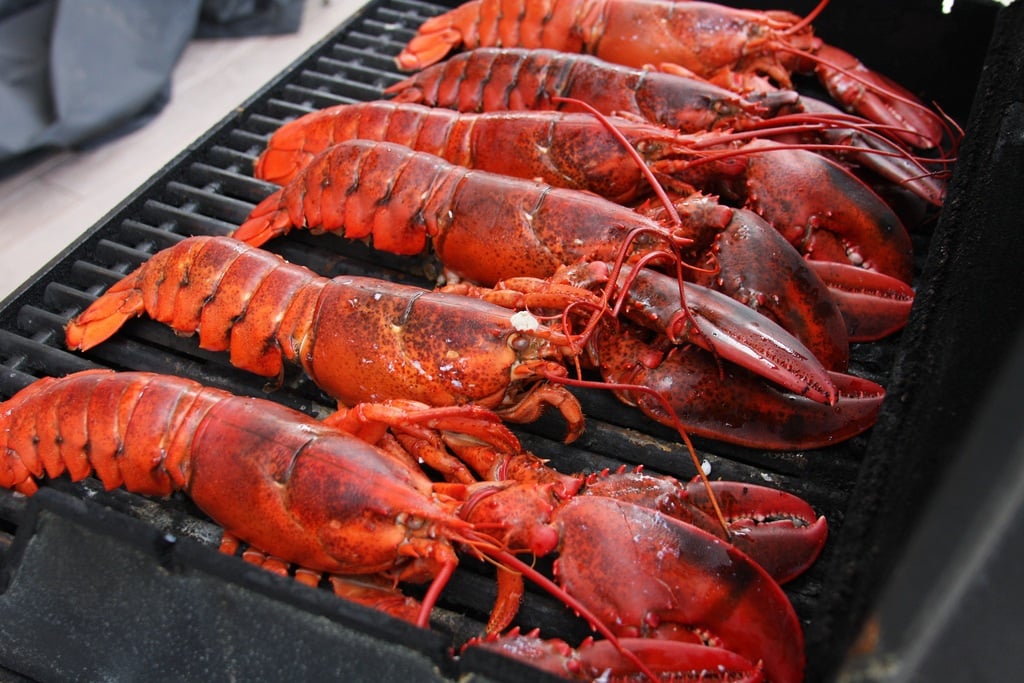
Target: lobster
{"points": [[501, 79], [854, 229], [742, 50], [358, 339], [313, 494], [367, 340]]}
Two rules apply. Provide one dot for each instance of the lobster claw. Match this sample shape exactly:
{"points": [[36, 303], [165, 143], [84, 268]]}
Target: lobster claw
{"points": [[717, 323], [679, 576], [878, 98], [599, 660], [873, 305], [735, 405], [743, 336], [760, 268], [838, 218], [778, 530]]}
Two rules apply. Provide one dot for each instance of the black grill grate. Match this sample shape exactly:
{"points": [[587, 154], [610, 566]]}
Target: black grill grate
{"points": [[209, 190]]}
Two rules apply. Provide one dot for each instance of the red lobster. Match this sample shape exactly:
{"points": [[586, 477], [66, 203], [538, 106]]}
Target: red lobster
{"points": [[359, 339], [362, 339], [312, 494], [742, 50]]}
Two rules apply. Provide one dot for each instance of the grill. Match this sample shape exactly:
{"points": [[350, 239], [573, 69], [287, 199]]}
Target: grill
{"points": [[109, 585]]}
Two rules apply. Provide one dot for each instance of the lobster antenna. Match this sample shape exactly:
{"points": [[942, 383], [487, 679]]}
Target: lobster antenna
{"points": [[641, 165], [806, 21], [677, 423], [787, 128]]}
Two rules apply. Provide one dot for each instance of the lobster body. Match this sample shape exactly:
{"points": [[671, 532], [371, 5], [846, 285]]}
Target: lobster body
{"points": [[557, 148], [484, 227], [359, 339], [156, 434]]}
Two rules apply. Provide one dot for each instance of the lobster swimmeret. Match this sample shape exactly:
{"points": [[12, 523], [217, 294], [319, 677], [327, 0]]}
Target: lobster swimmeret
{"points": [[743, 50], [309, 493]]}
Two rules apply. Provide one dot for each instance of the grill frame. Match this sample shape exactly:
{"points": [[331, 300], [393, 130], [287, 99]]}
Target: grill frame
{"points": [[841, 584]]}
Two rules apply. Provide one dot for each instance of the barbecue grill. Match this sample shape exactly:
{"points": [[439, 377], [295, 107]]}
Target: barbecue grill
{"points": [[99, 585]]}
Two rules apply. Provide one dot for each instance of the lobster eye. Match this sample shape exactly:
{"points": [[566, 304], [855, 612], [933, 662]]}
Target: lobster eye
{"points": [[519, 343]]}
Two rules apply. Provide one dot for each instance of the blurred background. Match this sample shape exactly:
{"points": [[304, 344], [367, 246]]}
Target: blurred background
{"points": [[96, 97]]}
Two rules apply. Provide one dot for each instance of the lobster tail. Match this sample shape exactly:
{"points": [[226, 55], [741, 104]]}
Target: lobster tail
{"points": [[121, 303], [221, 288], [268, 220], [101, 422]]}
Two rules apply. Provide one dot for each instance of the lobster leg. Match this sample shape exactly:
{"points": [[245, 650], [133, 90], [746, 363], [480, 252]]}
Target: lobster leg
{"points": [[369, 591]]}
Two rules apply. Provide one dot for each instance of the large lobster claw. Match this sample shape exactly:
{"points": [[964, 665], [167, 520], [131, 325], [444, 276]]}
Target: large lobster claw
{"points": [[647, 572], [778, 530], [715, 322], [838, 218], [873, 305], [734, 405], [758, 267], [599, 660]]}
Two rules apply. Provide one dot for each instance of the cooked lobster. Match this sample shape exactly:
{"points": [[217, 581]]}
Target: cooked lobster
{"points": [[362, 339], [358, 339]]}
